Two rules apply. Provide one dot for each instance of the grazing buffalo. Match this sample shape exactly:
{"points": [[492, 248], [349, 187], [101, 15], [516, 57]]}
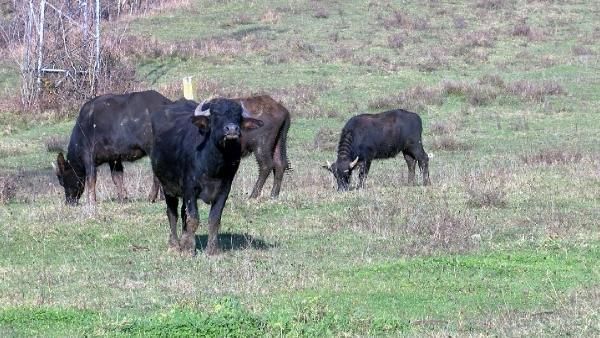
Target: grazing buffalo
{"points": [[267, 143], [195, 154], [367, 137], [110, 128]]}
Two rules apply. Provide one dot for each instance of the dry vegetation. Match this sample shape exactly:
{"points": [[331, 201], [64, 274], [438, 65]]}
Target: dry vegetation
{"points": [[487, 189], [8, 188], [552, 156], [509, 106], [326, 139]]}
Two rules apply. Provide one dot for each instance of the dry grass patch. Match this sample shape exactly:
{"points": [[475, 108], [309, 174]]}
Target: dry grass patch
{"points": [[414, 99], [576, 314], [423, 227], [399, 19], [241, 19], [552, 156], [271, 16], [56, 143], [486, 189], [534, 91], [481, 38], [8, 188], [325, 139], [449, 143], [459, 22], [320, 12], [444, 127], [436, 59], [580, 50], [477, 94], [491, 4], [396, 41], [519, 124], [301, 99]]}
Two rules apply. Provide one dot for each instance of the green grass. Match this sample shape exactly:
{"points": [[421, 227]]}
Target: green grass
{"points": [[375, 299], [388, 260]]}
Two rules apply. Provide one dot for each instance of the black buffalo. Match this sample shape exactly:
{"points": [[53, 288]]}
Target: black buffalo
{"points": [[110, 129], [267, 143], [367, 137], [195, 154]]}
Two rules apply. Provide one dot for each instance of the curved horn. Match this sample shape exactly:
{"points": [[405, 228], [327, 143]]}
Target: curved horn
{"points": [[200, 112], [328, 164], [245, 112], [354, 163]]}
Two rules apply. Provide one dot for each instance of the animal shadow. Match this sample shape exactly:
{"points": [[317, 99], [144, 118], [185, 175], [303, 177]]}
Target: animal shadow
{"points": [[229, 242]]}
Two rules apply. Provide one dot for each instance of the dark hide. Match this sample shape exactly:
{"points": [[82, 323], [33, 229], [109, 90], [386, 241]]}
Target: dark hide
{"points": [[367, 137], [267, 143], [195, 155], [110, 129]]}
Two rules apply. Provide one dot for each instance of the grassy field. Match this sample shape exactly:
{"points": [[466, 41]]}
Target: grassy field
{"points": [[504, 242]]}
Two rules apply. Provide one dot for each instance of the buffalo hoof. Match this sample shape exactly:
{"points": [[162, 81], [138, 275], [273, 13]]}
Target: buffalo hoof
{"points": [[187, 244], [212, 250], [173, 245]]}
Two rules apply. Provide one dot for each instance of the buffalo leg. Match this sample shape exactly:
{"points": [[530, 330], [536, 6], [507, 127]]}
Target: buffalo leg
{"points": [[421, 156], [183, 218], [90, 184], [411, 163], [116, 172], [214, 221], [363, 172], [278, 171], [153, 196], [172, 202], [188, 236], [265, 165]]}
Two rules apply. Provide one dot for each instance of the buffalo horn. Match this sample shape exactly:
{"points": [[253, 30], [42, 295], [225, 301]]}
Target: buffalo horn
{"points": [[245, 112], [353, 163], [200, 112]]}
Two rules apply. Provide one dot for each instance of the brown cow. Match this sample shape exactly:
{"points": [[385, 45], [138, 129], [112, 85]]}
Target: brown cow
{"points": [[267, 143]]}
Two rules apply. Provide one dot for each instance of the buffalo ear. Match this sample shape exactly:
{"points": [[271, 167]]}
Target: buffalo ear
{"points": [[249, 123], [202, 122], [60, 164]]}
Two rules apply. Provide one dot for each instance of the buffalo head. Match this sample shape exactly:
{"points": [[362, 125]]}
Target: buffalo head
{"points": [[342, 171], [68, 179], [225, 119]]}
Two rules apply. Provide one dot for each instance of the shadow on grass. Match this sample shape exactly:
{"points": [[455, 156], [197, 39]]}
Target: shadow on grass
{"points": [[229, 242]]}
